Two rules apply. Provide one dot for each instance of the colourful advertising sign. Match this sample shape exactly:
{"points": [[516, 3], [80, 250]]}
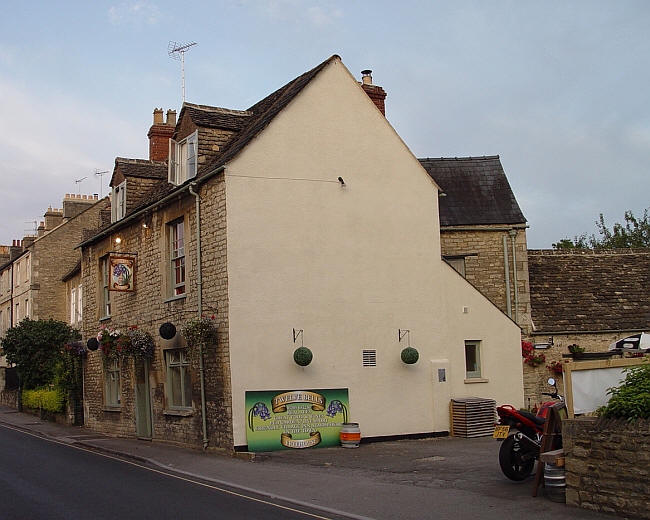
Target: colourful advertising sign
{"points": [[295, 419]]}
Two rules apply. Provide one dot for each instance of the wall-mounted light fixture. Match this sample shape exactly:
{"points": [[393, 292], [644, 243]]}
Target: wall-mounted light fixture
{"points": [[340, 179], [118, 240], [542, 346]]}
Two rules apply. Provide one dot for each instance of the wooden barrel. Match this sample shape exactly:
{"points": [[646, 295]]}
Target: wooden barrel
{"points": [[350, 435], [554, 483]]}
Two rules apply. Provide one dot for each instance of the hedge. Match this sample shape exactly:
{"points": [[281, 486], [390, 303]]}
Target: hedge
{"points": [[44, 399]]}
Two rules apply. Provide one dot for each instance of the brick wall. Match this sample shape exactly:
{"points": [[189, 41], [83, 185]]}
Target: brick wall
{"points": [[485, 266], [149, 306], [607, 466]]}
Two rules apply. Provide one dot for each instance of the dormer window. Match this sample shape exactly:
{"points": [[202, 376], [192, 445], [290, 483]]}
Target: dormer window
{"points": [[182, 159], [118, 202]]}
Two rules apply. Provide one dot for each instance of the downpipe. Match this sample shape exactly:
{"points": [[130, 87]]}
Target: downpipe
{"points": [[199, 283]]}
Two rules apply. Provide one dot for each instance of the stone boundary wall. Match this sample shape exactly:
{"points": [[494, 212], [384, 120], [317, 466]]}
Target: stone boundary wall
{"points": [[608, 465], [9, 398]]}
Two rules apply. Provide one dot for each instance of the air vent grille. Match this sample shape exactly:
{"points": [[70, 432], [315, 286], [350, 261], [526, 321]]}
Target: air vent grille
{"points": [[369, 358]]}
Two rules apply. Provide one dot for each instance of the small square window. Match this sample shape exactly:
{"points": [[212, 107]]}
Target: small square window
{"points": [[473, 359]]}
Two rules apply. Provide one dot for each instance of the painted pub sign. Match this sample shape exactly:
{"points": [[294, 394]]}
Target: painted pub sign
{"points": [[122, 273], [295, 419]]}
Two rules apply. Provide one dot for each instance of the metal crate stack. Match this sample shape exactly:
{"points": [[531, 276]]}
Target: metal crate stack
{"points": [[473, 417]]}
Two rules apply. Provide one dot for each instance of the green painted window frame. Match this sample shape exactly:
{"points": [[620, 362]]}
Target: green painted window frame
{"points": [[473, 359], [112, 393], [179, 382]]}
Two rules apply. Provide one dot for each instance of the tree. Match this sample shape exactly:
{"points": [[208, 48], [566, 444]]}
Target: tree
{"points": [[634, 233], [36, 347]]}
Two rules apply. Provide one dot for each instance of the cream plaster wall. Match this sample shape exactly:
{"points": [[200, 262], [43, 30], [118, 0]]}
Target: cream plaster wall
{"points": [[350, 265]]}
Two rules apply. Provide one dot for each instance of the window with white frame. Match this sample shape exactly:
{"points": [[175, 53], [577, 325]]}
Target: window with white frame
{"points": [[182, 159], [73, 306], [473, 359], [26, 312], [179, 383], [112, 395], [118, 202], [177, 257], [79, 305], [105, 294]]}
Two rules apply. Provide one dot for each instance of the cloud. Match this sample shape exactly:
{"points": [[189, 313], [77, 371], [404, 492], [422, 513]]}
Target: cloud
{"points": [[48, 141], [296, 11], [134, 13], [7, 55]]}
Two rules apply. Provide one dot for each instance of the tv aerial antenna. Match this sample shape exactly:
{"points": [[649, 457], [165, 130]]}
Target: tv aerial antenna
{"points": [[101, 180], [177, 51], [78, 183]]}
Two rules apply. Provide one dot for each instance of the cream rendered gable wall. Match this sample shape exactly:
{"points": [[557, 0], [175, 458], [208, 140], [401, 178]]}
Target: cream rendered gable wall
{"points": [[349, 265]]}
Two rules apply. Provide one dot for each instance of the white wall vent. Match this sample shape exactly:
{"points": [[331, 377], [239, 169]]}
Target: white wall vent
{"points": [[369, 358]]}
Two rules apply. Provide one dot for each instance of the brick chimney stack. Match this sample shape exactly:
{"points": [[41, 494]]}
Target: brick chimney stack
{"points": [[375, 92], [160, 133]]}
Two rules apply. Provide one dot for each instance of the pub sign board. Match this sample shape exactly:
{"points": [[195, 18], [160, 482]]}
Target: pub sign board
{"points": [[122, 273], [295, 419]]}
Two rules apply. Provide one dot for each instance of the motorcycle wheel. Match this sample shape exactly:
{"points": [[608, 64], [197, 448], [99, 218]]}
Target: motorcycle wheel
{"points": [[510, 460]]}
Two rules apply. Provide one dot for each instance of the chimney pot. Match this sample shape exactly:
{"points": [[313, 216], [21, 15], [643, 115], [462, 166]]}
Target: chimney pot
{"points": [[157, 116], [171, 118], [366, 77]]}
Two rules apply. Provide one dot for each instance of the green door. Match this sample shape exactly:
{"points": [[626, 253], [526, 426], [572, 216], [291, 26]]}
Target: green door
{"points": [[142, 400]]}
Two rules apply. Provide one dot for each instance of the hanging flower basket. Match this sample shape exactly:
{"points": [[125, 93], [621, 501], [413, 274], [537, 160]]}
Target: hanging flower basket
{"points": [[200, 333], [302, 356], [141, 344], [111, 343], [531, 357], [410, 355], [555, 367]]}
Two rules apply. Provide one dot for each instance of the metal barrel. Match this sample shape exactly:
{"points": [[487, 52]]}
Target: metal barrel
{"points": [[350, 435], [554, 483]]}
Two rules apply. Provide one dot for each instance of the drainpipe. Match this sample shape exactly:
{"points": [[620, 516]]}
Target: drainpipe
{"points": [[513, 236], [199, 284], [507, 271]]}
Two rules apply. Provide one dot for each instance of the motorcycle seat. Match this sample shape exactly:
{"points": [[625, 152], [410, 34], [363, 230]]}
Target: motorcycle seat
{"points": [[532, 417]]}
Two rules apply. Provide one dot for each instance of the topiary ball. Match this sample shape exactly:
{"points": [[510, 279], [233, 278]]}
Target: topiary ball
{"points": [[410, 355], [92, 344], [167, 330], [302, 356]]}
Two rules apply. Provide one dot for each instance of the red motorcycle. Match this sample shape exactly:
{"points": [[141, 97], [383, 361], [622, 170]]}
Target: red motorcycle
{"points": [[521, 433]]}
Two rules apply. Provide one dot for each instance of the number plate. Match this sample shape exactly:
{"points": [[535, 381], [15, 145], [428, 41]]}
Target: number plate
{"points": [[501, 432]]}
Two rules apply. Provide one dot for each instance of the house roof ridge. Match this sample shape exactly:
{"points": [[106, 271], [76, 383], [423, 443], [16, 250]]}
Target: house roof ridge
{"points": [[223, 110], [590, 252], [130, 160], [466, 158]]}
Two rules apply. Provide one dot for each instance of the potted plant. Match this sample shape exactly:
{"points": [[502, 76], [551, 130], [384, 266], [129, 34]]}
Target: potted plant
{"points": [[555, 367]]}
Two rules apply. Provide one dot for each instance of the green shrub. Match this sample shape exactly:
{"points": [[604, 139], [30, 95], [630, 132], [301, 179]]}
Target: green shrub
{"points": [[410, 355], [51, 400], [302, 356], [631, 399]]}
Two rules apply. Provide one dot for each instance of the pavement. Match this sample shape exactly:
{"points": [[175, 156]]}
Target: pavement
{"points": [[441, 477]]}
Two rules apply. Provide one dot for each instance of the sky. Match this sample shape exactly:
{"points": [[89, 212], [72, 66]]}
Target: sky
{"points": [[557, 89]]}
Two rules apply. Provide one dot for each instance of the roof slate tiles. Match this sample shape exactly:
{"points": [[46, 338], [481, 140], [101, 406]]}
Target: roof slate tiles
{"points": [[586, 291], [476, 191]]}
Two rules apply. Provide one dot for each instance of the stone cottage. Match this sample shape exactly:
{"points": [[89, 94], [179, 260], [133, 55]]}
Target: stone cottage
{"points": [[586, 297], [303, 220]]}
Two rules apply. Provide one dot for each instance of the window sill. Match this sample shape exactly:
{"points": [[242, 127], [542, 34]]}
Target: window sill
{"points": [[105, 318], [476, 380], [179, 413], [108, 408], [174, 298]]}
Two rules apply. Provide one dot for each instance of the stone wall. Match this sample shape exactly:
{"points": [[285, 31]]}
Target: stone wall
{"points": [[482, 247], [607, 466], [535, 378], [149, 306]]}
